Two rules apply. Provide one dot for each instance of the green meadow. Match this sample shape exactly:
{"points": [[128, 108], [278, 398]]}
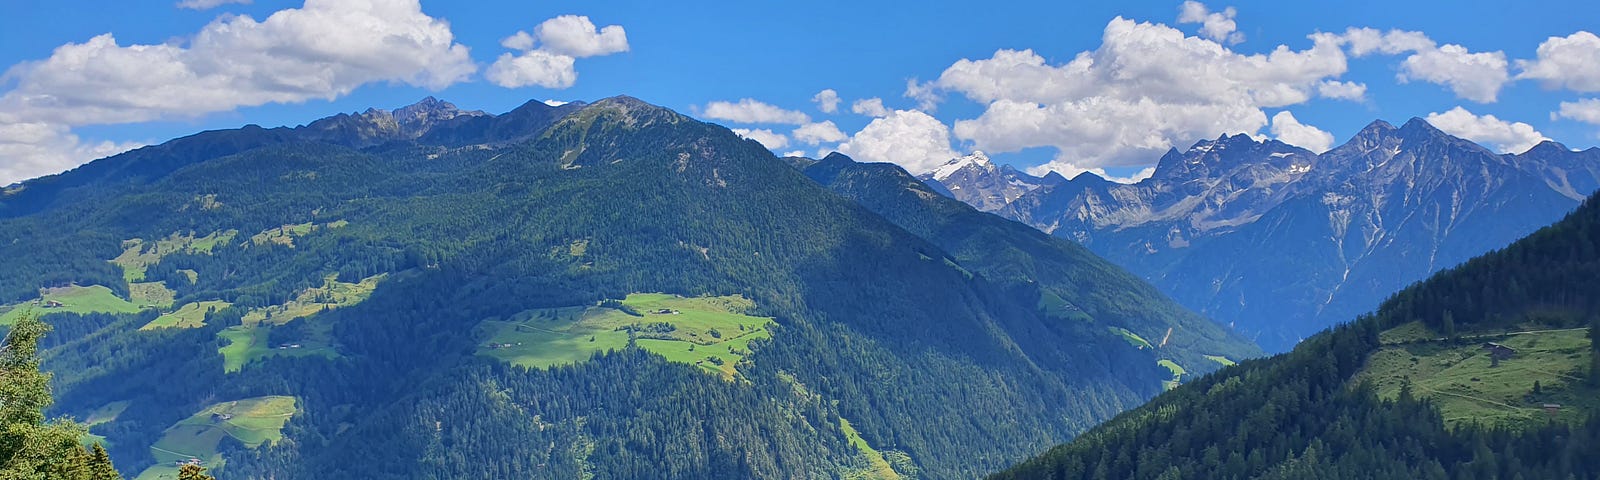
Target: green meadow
{"points": [[249, 342], [252, 421], [710, 332], [190, 315], [1461, 378], [73, 299]]}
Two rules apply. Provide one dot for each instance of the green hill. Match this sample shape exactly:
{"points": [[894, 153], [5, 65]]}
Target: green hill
{"points": [[1486, 370], [942, 361]]}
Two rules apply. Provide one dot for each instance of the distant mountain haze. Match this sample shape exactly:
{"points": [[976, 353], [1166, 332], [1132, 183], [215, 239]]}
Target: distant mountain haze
{"points": [[1279, 242]]}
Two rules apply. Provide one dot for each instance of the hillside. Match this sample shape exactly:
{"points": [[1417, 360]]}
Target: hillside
{"points": [[610, 290], [1497, 379], [1053, 270]]}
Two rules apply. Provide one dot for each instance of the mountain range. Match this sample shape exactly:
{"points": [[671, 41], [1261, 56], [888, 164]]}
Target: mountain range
{"points": [[606, 290], [1489, 369], [1279, 242]]}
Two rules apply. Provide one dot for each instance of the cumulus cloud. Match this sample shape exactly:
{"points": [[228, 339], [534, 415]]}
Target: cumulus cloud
{"points": [[1504, 136], [767, 138], [926, 94], [750, 110], [1289, 130], [548, 56], [1572, 62], [1146, 88], [1217, 26], [827, 101], [1342, 90], [1473, 76], [556, 103], [576, 36], [323, 50], [820, 132], [533, 68], [208, 4], [33, 149], [1586, 110], [872, 107], [910, 138]]}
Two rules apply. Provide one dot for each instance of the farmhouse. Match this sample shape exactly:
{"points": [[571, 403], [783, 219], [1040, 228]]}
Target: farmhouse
{"points": [[1498, 352], [52, 304]]}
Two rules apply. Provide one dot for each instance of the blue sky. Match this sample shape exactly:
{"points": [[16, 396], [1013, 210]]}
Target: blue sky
{"points": [[1142, 92]]}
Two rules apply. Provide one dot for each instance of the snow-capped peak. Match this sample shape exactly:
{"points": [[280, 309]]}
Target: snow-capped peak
{"points": [[977, 158]]}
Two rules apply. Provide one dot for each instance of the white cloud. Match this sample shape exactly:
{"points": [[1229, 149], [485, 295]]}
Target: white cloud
{"points": [[1289, 130], [1572, 61], [750, 110], [1504, 136], [549, 55], [767, 138], [1342, 90], [910, 138], [556, 103], [872, 107], [1147, 88], [827, 101], [519, 41], [323, 50], [1365, 41], [796, 153], [926, 94], [815, 133], [1473, 76], [1217, 26], [34, 149], [575, 36], [1586, 110], [533, 67], [208, 4]]}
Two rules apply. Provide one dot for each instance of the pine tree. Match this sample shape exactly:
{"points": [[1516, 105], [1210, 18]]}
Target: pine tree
{"points": [[100, 467], [193, 472], [31, 447]]}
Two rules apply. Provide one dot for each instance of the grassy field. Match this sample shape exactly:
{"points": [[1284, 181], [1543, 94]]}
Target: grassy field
{"points": [[1132, 338], [73, 299], [710, 332], [105, 414], [1224, 361], [248, 342], [190, 315], [252, 421], [1460, 378], [878, 468], [138, 255], [286, 234], [1177, 373]]}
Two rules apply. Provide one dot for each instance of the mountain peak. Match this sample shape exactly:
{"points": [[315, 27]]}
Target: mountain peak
{"points": [[977, 160], [1548, 147]]}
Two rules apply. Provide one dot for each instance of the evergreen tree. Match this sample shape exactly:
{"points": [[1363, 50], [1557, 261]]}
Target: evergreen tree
{"points": [[193, 472], [30, 446]]}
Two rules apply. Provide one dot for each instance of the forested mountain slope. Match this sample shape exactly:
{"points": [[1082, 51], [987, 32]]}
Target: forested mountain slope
{"points": [[1507, 338], [470, 295]]}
